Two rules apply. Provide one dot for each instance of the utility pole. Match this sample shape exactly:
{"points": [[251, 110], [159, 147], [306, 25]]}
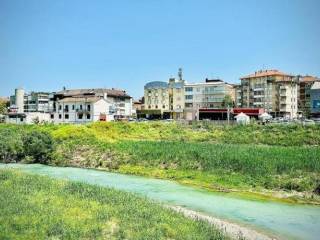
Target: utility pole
{"points": [[228, 114]]}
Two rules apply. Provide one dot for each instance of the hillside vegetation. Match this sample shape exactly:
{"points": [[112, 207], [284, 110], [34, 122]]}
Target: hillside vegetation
{"points": [[37, 207], [266, 159]]}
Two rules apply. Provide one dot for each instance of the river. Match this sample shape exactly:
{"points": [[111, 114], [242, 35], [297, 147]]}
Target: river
{"points": [[285, 221]]}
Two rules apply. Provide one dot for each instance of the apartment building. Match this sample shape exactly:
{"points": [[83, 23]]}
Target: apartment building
{"points": [[315, 100], [30, 102], [164, 99], [69, 106], [82, 109], [238, 95], [27, 108], [272, 90], [207, 95], [304, 88]]}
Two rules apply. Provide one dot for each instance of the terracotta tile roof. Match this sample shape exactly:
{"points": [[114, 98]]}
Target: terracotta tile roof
{"points": [[308, 78], [88, 99], [266, 73]]}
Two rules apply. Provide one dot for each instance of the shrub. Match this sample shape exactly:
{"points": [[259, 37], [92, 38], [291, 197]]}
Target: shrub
{"points": [[38, 146], [11, 146]]}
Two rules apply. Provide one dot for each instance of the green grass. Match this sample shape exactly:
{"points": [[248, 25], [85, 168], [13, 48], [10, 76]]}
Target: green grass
{"points": [[238, 158], [37, 207]]}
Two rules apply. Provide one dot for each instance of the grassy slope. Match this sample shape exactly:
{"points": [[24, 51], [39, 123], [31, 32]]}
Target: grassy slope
{"points": [[36, 207], [243, 158]]}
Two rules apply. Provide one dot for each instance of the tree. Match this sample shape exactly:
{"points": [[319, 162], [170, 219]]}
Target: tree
{"points": [[227, 101], [3, 106], [38, 146]]}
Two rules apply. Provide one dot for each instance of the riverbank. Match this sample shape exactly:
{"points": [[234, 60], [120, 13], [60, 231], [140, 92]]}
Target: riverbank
{"points": [[274, 162], [284, 221], [37, 207], [233, 230]]}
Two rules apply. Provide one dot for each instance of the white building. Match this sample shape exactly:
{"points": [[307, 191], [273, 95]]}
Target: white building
{"points": [[87, 105], [22, 101], [28, 108], [82, 110]]}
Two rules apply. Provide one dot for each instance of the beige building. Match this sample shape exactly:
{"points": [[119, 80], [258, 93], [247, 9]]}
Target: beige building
{"points": [[164, 99], [272, 90]]}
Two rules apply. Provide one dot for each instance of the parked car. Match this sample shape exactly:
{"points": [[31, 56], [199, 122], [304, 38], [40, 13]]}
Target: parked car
{"points": [[308, 122]]}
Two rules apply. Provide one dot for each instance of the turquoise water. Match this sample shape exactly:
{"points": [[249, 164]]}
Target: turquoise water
{"points": [[287, 221]]}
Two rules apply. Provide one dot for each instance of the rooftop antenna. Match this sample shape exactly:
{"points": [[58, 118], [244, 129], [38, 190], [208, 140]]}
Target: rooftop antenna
{"points": [[180, 74]]}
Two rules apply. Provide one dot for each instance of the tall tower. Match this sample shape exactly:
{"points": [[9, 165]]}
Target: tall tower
{"points": [[19, 94]]}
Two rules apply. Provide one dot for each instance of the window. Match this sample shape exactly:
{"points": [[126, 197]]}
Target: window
{"points": [[188, 105], [189, 89], [52, 116], [66, 108], [72, 107], [60, 116], [66, 116], [156, 106], [189, 97], [149, 106], [88, 116], [80, 116], [88, 107], [80, 107], [60, 107], [163, 106]]}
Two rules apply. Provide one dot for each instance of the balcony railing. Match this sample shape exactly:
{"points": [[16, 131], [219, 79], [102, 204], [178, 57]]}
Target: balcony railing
{"points": [[283, 94]]}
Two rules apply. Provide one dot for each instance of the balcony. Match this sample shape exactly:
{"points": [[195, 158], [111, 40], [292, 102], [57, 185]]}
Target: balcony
{"points": [[258, 103], [258, 89], [82, 111], [258, 96], [283, 94]]}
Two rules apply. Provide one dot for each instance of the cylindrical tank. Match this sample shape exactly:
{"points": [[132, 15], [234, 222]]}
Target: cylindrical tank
{"points": [[19, 94]]}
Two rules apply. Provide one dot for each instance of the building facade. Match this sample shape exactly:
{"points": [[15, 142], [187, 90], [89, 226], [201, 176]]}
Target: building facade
{"points": [[30, 102], [81, 110], [304, 88], [27, 108], [272, 90], [207, 95], [118, 102], [164, 100], [69, 106], [315, 100]]}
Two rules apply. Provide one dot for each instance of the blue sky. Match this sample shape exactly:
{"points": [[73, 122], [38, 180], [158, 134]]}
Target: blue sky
{"points": [[46, 44]]}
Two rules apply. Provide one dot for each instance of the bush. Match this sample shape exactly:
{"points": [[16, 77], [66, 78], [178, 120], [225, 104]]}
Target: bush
{"points": [[11, 146], [38, 146]]}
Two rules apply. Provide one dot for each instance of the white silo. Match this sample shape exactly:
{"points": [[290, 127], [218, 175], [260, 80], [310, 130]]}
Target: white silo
{"points": [[19, 94]]}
